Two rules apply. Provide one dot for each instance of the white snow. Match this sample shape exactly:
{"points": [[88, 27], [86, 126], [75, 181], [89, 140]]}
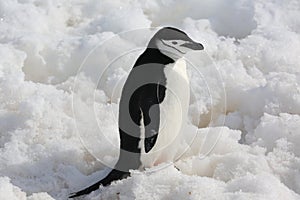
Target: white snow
{"points": [[62, 67]]}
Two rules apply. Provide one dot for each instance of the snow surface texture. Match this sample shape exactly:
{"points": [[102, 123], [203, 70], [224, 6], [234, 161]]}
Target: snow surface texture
{"points": [[255, 46]]}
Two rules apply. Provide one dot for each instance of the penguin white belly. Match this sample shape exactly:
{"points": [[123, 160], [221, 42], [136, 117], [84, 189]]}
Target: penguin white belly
{"points": [[173, 115]]}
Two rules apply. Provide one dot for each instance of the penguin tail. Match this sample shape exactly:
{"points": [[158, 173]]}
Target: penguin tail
{"points": [[112, 176]]}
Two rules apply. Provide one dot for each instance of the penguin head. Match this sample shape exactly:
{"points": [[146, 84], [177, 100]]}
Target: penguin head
{"points": [[174, 42]]}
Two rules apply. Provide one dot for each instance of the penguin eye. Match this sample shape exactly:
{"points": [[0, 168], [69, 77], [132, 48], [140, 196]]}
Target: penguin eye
{"points": [[174, 42]]}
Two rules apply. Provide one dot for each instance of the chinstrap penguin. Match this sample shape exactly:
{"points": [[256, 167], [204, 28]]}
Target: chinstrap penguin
{"points": [[153, 105]]}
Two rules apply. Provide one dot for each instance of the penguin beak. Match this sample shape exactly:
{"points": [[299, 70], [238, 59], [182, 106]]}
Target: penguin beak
{"points": [[193, 45]]}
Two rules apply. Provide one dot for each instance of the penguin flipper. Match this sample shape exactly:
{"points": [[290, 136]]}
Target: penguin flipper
{"points": [[150, 124], [112, 176], [151, 114], [150, 142]]}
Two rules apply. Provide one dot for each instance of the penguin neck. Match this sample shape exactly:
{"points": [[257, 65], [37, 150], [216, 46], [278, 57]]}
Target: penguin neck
{"points": [[180, 68], [153, 55]]}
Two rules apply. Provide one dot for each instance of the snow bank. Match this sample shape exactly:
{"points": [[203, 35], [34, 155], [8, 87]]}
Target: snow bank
{"points": [[62, 67], [11, 192]]}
